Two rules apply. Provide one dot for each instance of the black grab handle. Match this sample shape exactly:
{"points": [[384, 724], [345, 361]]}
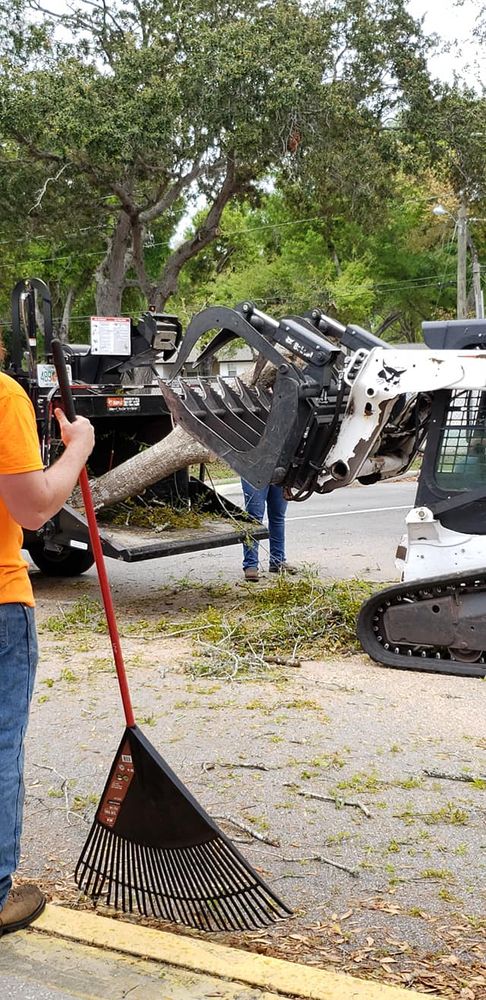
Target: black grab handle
{"points": [[63, 379]]}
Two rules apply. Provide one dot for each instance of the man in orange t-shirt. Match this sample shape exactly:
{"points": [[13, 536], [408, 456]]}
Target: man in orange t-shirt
{"points": [[29, 495]]}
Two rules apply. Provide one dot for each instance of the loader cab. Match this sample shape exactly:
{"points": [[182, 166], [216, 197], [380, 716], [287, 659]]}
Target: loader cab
{"points": [[455, 454]]}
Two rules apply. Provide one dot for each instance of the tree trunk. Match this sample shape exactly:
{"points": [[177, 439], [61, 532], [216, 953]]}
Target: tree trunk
{"points": [[174, 452], [66, 314], [110, 275]]}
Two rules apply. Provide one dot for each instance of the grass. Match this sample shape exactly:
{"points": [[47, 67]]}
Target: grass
{"points": [[450, 814], [218, 471]]}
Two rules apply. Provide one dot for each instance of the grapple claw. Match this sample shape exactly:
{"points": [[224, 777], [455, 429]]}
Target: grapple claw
{"points": [[263, 434]]}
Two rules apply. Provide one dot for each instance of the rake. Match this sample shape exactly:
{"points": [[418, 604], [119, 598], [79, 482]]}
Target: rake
{"points": [[152, 847]]}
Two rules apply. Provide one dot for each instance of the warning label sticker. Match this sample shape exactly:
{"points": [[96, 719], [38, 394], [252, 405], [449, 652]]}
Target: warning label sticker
{"points": [[114, 796]]}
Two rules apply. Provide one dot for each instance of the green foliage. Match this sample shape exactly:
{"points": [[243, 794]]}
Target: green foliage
{"points": [[288, 619], [129, 116], [85, 613]]}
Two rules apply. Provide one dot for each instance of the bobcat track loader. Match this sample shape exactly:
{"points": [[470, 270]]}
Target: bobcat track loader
{"points": [[346, 406]]}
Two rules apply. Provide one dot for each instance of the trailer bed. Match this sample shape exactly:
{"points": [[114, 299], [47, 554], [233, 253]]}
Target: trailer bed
{"points": [[137, 544]]}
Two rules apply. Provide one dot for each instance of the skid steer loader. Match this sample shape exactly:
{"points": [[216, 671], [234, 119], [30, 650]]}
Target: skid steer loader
{"points": [[347, 406]]}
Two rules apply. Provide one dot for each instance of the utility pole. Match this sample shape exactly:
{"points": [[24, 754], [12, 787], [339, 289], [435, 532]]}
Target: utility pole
{"points": [[478, 292], [462, 242]]}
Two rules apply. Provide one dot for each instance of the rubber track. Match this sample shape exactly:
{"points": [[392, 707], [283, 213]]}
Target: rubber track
{"points": [[429, 659]]}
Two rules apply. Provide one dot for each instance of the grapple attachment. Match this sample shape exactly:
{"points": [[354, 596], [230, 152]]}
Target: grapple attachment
{"points": [[278, 434]]}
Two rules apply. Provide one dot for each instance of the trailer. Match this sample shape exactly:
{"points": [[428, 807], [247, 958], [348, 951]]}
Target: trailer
{"points": [[127, 417]]}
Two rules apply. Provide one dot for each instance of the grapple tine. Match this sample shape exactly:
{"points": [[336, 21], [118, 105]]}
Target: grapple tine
{"points": [[256, 400], [240, 408], [211, 409], [259, 459], [223, 408]]}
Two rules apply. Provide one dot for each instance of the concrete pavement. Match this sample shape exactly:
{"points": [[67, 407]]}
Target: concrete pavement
{"points": [[70, 954]]}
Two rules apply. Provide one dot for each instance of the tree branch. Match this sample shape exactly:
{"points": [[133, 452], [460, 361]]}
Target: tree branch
{"points": [[167, 285], [170, 197], [43, 189]]}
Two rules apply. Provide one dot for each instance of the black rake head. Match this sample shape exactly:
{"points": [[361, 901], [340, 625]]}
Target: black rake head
{"points": [[152, 848]]}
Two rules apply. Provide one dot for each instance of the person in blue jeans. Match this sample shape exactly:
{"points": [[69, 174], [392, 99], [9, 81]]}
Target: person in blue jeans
{"points": [[255, 501], [29, 496]]}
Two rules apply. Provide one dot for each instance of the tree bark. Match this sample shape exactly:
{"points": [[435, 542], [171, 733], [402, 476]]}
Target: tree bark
{"points": [[110, 276], [66, 314], [174, 452]]}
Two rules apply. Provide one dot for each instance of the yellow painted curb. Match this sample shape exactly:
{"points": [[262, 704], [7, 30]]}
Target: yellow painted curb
{"points": [[259, 971]]}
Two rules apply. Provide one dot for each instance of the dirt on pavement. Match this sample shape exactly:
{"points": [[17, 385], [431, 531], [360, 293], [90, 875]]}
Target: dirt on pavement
{"points": [[386, 870]]}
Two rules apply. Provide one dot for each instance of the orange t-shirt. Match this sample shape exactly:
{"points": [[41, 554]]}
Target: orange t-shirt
{"points": [[19, 452]]}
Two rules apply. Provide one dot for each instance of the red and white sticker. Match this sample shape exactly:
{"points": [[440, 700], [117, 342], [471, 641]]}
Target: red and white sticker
{"points": [[123, 403]]}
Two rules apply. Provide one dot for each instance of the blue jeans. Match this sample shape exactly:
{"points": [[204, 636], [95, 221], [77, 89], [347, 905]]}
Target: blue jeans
{"points": [[18, 661], [255, 501]]}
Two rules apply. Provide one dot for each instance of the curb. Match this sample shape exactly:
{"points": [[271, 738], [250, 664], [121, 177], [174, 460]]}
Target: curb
{"points": [[275, 975]]}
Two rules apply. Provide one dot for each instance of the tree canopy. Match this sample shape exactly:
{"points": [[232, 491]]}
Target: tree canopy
{"points": [[137, 137]]}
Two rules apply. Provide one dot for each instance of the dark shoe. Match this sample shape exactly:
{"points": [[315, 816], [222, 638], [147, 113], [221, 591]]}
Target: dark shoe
{"points": [[251, 574], [23, 905], [284, 567]]}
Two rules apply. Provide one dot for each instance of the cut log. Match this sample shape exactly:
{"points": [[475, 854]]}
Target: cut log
{"points": [[176, 451]]}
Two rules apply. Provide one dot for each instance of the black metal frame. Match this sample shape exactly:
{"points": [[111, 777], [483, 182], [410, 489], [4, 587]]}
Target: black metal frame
{"points": [[454, 421], [130, 410]]}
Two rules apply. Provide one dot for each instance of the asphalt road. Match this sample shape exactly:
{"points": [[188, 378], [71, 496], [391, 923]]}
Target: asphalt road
{"points": [[351, 532], [412, 861]]}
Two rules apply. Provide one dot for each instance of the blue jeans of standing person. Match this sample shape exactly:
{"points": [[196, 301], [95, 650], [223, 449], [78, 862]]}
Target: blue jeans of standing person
{"points": [[255, 501], [18, 661]]}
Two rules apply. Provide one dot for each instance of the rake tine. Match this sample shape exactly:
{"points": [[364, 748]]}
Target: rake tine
{"points": [[113, 867], [97, 857], [143, 867], [193, 880], [89, 851], [162, 860], [137, 880], [156, 904], [125, 875], [103, 862], [256, 888], [213, 861], [203, 889], [224, 873], [191, 887], [211, 882], [160, 881], [178, 894], [185, 892], [117, 869]]}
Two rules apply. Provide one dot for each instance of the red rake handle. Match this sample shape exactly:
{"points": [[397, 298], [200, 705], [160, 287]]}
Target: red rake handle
{"points": [[94, 535]]}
